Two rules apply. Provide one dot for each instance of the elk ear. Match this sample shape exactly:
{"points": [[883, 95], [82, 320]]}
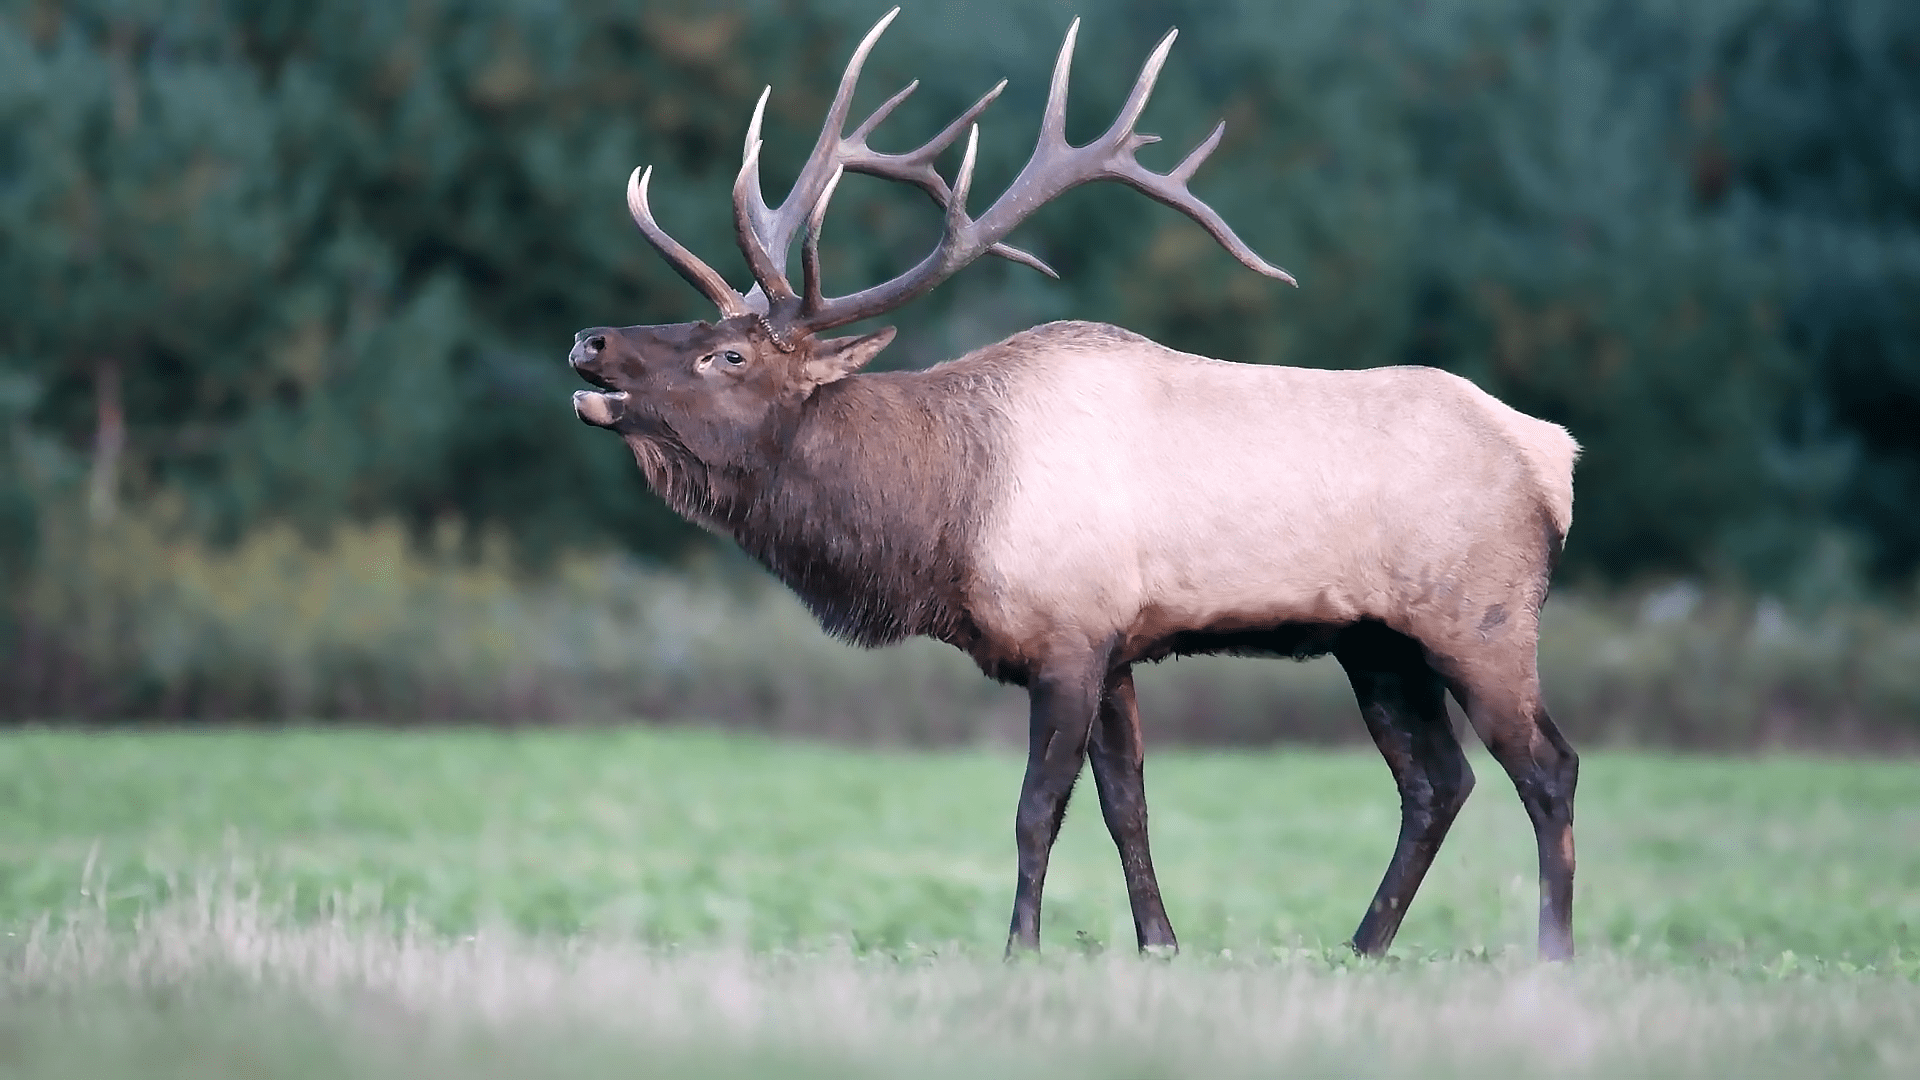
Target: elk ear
{"points": [[836, 358]]}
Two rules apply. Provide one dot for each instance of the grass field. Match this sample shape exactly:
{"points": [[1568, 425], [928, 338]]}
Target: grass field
{"points": [[638, 903]]}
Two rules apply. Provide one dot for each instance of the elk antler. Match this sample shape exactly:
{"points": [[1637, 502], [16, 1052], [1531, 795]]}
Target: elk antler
{"points": [[1054, 167], [766, 234], [698, 274]]}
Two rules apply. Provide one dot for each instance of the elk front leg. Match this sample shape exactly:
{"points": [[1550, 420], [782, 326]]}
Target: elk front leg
{"points": [[1063, 698], [1403, 702], [1118, 763]]}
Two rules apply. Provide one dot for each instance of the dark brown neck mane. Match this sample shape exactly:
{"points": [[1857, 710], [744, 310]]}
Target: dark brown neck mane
{"points": [[869, 510]]}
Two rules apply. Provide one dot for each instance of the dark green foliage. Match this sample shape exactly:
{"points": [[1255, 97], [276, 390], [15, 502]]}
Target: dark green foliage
{"points": [[334, 253], [1822, 132]]}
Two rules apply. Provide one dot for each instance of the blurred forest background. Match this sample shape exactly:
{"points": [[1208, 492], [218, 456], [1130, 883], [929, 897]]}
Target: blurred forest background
{"points": [[286, 290]]}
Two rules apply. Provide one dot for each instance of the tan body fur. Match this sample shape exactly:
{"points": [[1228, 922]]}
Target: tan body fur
{"points": [[1149, 489]]}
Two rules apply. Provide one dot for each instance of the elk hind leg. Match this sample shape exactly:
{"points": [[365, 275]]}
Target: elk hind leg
{"points": [[1403, 702], [1511, 719], [1118, 760]]}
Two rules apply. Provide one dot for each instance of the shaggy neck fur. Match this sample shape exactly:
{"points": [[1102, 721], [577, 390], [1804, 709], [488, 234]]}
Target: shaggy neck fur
{"points": [[681, 480], [870, 507]]}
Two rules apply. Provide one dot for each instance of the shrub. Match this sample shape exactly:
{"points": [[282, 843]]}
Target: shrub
{"points": [[138, 621]]}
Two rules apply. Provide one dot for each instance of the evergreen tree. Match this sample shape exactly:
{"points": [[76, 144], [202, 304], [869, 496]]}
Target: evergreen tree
{"points": [[277, 260]]}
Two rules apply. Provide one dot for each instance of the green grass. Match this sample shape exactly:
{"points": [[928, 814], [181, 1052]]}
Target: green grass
{"points": [[468, 903]]}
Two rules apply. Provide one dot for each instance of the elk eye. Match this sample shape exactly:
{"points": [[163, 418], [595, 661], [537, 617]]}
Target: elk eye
{"points": [[732, 357]]}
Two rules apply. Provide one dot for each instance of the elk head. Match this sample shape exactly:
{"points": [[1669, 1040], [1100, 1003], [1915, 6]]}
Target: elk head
{"points": [[706, 384], [715, 393]]}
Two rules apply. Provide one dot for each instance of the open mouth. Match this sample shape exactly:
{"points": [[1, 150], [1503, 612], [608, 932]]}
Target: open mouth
{"points": [[600, 409], [587, 374]]}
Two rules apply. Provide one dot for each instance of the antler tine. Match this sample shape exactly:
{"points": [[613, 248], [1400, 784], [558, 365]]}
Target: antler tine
{"points": [[1191, 164], [1171, 190], [698, 274], [919, 161], [1142, 90], [1053, 123], [753, 139], [748, 202], [770, 274], [962, 184], [1056, 166], [859, 136], [810, 248]]}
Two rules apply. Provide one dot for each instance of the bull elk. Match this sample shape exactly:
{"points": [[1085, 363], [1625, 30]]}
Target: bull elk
{"points": [[1077, 499]]}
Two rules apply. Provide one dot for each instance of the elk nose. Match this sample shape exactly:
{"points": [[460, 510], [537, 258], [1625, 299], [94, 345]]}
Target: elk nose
{"points": [[587, 346]]}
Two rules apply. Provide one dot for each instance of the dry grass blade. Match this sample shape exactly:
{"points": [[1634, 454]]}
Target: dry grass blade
{"points": [[403, 1004]]}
